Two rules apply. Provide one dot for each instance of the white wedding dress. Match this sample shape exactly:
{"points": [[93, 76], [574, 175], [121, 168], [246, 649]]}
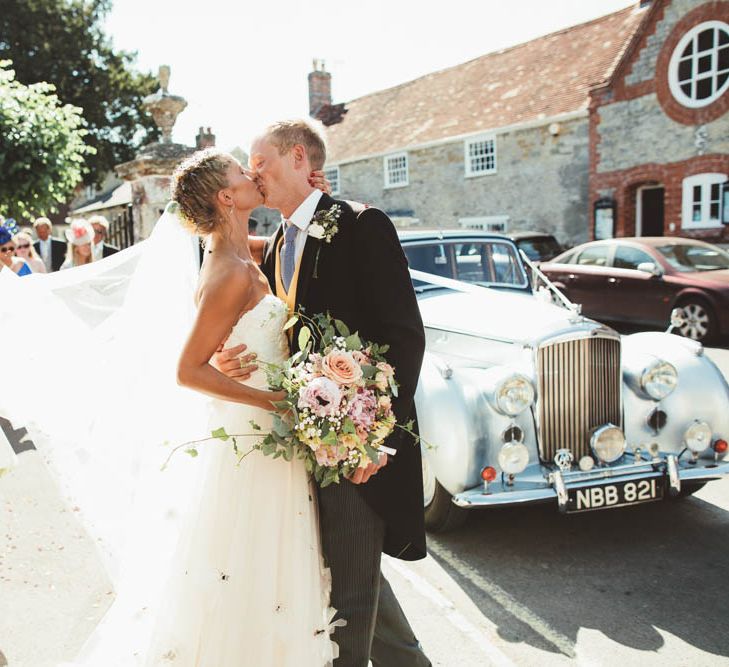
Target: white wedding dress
{"points": [[214, 564], [246, 583]]}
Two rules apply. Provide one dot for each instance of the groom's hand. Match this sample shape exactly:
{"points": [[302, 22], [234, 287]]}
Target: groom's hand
{"points": [[362, 475], [234, 363]]}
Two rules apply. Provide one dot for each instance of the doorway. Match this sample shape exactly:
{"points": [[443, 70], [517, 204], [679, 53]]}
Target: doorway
{"points": [[649, 210]]}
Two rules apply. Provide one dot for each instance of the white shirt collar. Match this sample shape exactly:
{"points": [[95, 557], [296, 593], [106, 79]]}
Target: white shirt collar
{"points": [[302, 216]]}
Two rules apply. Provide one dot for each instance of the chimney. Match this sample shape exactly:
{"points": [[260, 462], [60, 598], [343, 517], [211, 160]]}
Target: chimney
{"points": [[320, 88], [205, 138]]}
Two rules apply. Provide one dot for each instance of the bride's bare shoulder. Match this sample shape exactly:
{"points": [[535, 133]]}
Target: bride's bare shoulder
{"points": [[224, 284]]}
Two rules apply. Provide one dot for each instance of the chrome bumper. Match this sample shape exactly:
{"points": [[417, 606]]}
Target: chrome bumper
{"points": [[538, 484]]}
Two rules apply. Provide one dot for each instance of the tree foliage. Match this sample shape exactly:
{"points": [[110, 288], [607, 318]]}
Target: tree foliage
{"points": [[63, 42], [42, 149]]}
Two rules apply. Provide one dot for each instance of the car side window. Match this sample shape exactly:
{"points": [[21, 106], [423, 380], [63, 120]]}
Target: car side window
{"points": [[432, 258], [472, 264], [593, 256], [627, 257]]}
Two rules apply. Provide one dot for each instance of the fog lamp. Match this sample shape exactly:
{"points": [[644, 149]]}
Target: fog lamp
{"points": [[586, 463], [513, 458], [608, 443], [659, 380], [514, 395], [697, 436]]}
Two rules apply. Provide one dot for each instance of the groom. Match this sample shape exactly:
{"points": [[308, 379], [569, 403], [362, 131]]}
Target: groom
{"points": [[360, 277]]}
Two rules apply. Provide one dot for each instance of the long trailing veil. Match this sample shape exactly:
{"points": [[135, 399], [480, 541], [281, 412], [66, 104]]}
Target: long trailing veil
{"points": [[94, 381]]}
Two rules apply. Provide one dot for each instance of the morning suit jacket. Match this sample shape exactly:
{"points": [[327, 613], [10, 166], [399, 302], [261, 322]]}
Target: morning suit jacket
{"points": [[58, 252], [362, 279], [108, 250]]}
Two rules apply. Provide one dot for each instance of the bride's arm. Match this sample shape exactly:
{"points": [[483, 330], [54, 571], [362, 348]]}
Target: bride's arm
{"points": [[218, 312]]}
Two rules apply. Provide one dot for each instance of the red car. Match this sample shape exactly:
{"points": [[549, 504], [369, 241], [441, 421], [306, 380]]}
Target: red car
{"points": [[640, 280]]}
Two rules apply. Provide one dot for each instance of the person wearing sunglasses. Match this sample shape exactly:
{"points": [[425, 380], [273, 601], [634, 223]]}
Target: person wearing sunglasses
{"points": [[7, 255], [25, 250]]}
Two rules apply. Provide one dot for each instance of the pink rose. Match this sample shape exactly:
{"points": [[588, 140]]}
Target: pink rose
{"points": [[321, 396], [361, 358], [341, 367]]}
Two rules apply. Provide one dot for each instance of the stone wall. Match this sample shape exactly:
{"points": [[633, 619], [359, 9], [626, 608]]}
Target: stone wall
{"points": [[638, 131], [541, 183], [644, 67]]}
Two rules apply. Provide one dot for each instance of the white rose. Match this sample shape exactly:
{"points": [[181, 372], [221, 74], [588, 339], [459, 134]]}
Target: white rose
{"points": [[317, 231]]}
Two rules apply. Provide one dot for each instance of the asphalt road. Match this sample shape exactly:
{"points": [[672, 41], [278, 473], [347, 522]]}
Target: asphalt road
{"points": [[635, 586]]}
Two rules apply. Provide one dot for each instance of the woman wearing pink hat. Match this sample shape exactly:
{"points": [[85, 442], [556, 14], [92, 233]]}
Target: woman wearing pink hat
{"points": [[80, 237]]}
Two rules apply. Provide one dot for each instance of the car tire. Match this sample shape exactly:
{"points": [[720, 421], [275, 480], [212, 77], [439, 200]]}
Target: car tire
{"points": [[441, 515], [701, 320]]}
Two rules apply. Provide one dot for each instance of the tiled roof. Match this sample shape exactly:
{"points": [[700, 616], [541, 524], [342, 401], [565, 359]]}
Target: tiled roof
{"points": [[548, 76]]}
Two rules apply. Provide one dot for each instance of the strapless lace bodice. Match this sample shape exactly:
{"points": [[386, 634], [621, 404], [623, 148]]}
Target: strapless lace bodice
{"points": [[261, 329]]}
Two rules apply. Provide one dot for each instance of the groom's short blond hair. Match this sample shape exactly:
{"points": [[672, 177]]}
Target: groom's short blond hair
{"points": [[285, 134]]}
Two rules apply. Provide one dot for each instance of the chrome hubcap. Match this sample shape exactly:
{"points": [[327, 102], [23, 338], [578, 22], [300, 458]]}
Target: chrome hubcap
{"points": [[428, 483], [696, 322]]}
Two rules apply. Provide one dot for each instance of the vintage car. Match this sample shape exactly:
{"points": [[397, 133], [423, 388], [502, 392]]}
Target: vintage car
{"points": [[522, 400]]}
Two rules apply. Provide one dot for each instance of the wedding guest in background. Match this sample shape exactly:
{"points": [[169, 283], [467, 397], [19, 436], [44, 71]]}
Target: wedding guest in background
{"points": [[25, 250], [51, 251], [101, 228], [7, 254], [80, 251]]}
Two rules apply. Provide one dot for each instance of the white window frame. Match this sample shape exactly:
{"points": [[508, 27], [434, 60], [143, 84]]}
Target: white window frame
{"points": [[498, 224], [673, 83], [470, 172], [388, 172], [705, 181], [336, 187]]}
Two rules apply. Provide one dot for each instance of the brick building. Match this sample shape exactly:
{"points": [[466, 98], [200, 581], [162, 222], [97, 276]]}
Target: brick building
{"points": [[659, 129], [545, 135]]}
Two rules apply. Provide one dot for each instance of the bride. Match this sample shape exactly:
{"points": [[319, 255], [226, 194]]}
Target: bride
{"points": [[214, 563]]}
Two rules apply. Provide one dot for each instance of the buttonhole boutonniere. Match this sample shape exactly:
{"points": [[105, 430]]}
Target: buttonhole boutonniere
{"points": [[324, 227]]}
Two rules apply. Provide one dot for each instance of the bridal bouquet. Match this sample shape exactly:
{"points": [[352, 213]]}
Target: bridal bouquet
{"points": [[338, 409]]}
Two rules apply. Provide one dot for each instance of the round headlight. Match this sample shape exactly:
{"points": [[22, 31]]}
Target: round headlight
{"points": [[659, 380], [608, 443], [513, 458], [698, 436], [514, 395]]}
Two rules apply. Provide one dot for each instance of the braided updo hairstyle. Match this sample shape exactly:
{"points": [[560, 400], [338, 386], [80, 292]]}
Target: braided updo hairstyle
{"points": [[195, 183]]}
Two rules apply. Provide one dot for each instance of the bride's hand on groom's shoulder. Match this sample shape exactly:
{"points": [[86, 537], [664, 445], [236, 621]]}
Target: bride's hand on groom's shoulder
{"points": [[362, 475], [319, 181], [234, 363]]}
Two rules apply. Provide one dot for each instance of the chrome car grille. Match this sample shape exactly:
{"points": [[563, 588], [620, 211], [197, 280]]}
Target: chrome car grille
{"points": [[579, 389]]}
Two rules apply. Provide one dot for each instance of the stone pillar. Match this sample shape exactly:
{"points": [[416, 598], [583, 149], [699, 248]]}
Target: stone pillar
{"points": [[151, 170], [320, 88]]}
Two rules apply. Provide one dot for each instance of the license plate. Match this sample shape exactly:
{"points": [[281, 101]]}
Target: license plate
{"points": [[615, 495]]}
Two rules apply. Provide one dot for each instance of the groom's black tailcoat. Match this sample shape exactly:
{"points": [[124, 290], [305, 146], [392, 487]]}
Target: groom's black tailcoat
{"points": [[362, 279]]}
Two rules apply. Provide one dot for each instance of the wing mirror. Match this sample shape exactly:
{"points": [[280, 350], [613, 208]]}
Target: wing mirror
{"points": [[650, 267]]}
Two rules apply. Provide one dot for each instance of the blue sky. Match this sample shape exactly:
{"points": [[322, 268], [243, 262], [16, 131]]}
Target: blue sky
{"points": [[242, 64]]}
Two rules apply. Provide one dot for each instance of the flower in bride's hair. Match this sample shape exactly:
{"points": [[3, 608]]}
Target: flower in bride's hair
{"points": [[322, 396], [341, 367]]}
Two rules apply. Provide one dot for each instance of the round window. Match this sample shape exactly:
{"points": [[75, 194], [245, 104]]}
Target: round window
{"points": [[698, 72]]}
